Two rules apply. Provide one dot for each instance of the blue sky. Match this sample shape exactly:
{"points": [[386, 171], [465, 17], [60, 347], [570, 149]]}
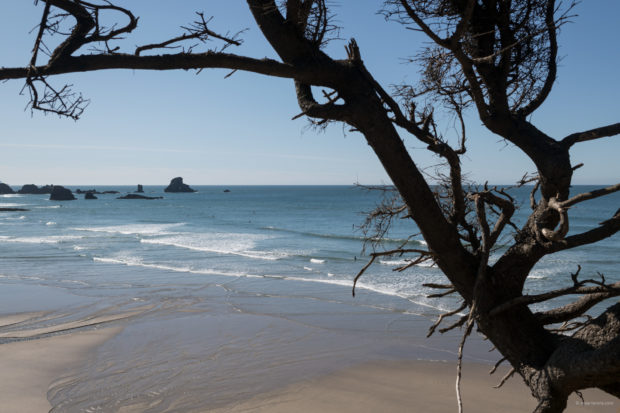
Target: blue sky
{"points": [[147, 127]]}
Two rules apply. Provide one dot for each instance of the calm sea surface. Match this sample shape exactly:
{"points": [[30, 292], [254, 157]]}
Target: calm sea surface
{"points": [[276, 263]]}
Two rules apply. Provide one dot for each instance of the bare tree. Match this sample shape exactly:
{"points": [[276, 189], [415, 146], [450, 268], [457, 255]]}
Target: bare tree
{"points": [[497, 57]]}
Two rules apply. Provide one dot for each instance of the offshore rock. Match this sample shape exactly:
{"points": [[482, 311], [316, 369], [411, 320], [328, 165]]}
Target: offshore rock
{"points": [[136, 196], [60, 193], [89, 195], [5, 189], [140, 189], [177, 185], [35, 190]]}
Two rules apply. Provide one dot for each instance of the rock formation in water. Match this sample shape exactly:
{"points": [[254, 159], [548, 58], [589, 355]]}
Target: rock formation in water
{"points": [[33, 189], [140, 189], [89, 195], [94, 192], [177, 185], [136, 196], [60, 193], [5, 189]]}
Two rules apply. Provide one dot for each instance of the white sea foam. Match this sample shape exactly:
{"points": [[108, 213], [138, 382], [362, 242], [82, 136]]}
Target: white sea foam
{"points": [[48, 207], [329, 274], [11, 196], [220, 243], [317, 261], [138, 262], [53, 239], [308, 269], [73, 282], [78, 248], [134, 229], [50, 223], [427, 264], [11, 205], [394, 262]]}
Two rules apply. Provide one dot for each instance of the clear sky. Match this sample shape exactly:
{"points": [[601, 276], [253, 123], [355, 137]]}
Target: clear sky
{"points": [[147, 127]]}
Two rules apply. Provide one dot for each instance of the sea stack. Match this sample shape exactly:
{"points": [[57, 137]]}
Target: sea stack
{"points": [[140, 189], [5, 189], [60, 193], [177, 185], [33, 189]]}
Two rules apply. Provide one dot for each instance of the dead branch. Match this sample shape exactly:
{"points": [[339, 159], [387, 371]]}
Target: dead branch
{"points": [[500, 361], [459, 365], [597, 133], [610, 290], [533, 203], [558, 235], [362, 271], [508, 375], [431, 330], [438, 286], [574, 309], [457, 324], [604, 230], [589, 195], [198, 30], [443, 294]]}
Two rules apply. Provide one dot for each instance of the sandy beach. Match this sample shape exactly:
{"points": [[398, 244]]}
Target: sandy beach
{"points": [[33, 358], [380, 386], [43, 359], [410, 386], [30, 367]]}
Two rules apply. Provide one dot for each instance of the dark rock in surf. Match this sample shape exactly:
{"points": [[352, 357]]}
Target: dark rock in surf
{"points": [[140, 189], [60, 193], [136, 196], [13, 209], [89, 195], [226, 190], [31, 189], [5, 189], [177, 185]]}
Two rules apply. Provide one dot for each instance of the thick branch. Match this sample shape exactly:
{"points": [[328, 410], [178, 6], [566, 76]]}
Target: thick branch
{"points": [[602, 132], [605, 230], [84, 24], [86, 63], [574, 309], [589, 195], [310, 107], [611, 290]]}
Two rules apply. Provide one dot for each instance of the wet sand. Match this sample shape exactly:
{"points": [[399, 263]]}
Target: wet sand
{"points": [[32, 357], [217, 351], [410, 386], [28, 368]]}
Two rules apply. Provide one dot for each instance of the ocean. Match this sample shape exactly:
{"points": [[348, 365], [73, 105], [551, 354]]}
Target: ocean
{"points": [[276, 263]]}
